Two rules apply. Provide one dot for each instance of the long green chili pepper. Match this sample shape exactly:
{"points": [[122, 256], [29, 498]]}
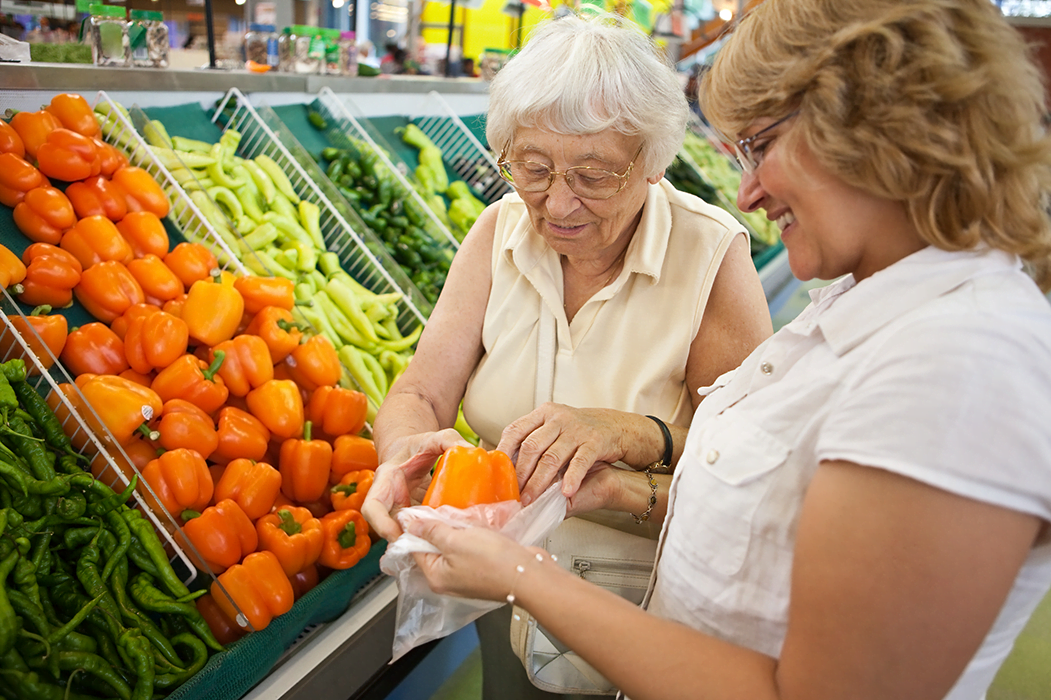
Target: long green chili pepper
{"points": [[200, 658], [49, 608], [13, 660], [25, 579], [8, 400], [151, 598], [104, 499], [143, 531], [122, 532], [129, 613], [93, 664], [138, 556], [36, 406], [88, 575], [31, 685], [40, 555], [140, 653], [8, 619], [73, 505], [30, 448], [29, 611]]}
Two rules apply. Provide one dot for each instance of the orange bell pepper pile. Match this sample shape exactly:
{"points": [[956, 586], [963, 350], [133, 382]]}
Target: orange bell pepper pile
{"points": [[231, 416]]}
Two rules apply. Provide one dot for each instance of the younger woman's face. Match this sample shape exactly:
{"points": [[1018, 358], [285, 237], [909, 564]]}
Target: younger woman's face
{"points": [[828, 227]]}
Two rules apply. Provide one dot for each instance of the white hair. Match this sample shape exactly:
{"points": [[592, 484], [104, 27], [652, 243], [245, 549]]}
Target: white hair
{"points": [[584, 75]]}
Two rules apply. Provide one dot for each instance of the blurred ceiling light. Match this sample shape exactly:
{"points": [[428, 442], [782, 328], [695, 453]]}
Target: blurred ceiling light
{"points": [[726, 14]]}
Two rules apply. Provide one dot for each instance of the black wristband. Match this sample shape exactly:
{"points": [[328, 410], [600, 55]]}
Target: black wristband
{"points": [[668, 445]]}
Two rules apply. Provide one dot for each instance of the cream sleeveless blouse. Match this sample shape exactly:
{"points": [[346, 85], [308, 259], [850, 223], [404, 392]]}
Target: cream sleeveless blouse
{"points": [[627, 347]]}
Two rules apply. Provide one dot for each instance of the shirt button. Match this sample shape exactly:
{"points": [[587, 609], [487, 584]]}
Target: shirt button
{"points": [[713, 455], [766, 368]]}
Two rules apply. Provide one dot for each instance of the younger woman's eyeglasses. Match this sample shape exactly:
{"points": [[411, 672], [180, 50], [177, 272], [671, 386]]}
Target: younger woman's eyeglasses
{"points": [[750, 150]]}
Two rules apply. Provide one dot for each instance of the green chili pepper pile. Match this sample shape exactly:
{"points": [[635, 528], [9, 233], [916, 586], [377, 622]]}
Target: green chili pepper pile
{"points": [[397, 218], [90, 606]]}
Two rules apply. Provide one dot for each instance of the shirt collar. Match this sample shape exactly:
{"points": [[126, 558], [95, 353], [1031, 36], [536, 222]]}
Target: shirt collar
{"points": [[866, 307], [525, 248]]}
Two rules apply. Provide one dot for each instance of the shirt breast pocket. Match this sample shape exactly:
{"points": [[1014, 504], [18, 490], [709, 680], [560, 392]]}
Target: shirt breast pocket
{"points": [[732, 466]]}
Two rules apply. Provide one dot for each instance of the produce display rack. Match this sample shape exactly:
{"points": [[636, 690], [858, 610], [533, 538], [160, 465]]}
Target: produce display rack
{"points": [[461, 149], [349, 120], [361, 254]]}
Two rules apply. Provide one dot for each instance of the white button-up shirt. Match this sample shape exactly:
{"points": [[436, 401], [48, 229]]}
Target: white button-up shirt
{"points": [[937, 368]]}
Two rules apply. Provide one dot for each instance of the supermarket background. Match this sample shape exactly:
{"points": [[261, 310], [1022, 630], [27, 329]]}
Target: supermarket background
{"points": [[325, 647]]}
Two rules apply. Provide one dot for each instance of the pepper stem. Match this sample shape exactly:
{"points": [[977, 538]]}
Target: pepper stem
{"points": [[308, 429], [209, 373], [346, 489], [288, 523], [41, 310], [286, 325], [148, 432], [347, 537]]}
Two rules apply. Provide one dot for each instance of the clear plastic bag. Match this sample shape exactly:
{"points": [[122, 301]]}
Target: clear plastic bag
{"points": [[424, 615]]}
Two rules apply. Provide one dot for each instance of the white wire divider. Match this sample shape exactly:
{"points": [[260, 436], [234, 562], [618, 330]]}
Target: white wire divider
{"points": [[361, 253], [122, 128], [469, 158], [93, 440], [350, 121]]}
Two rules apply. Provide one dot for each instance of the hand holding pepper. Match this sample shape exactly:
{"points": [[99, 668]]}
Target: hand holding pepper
{"points": [[467, 476]]}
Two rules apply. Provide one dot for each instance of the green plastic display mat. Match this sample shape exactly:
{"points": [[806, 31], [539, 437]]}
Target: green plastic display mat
{"points": [[191, 121], [230, 674]]}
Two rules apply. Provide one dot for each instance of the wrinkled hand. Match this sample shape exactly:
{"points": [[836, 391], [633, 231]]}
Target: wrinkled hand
{"points": [[475, 562], [555, 438], [598, 490], [398, 484]]}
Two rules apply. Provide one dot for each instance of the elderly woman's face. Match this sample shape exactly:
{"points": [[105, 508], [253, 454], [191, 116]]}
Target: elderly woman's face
{"points": [[573, 225]]}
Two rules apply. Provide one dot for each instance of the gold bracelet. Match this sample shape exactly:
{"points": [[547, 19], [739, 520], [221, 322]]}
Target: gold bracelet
{"points": [[640, 519]]}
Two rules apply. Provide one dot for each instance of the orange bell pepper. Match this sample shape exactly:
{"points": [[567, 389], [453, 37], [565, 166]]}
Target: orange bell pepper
{"points": [[193, 379], [314, 364], [121, 323], [107, 290], [278, 404], [96, 239], [93, 348], [33, 128], [278, 330], [192, 262], [247, 364], [51, 275], [222, 534], [352, 453], [139, 453], [154, 341], [346, 539], [241, 435], [305, 465], [145, 233], [137, 377], [158, 282], [179, 480], [123, 406], [183, 424], [17, 177], [466, 476], [110, 159], [68, 156], [75, 114], [97, 196], [351, 490], [44, 214], [261, 292], [212, 311], [44, 334], [257, 587], [305, 581], [337, 411], [12, 271], [294, 536], [10, 141], [223, 628], [252, 485], [142, 191]]}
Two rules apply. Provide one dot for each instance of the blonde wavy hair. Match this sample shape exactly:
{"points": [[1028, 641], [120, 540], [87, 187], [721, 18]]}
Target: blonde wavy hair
{"points": [[933, 103]]}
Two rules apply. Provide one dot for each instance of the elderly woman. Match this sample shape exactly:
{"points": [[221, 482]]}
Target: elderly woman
{"points": [[862, 507], [595, 283]]}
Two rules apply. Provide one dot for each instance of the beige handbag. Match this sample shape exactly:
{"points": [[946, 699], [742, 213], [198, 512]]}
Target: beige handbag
{"points": [[607, 557], [605, 554]]}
